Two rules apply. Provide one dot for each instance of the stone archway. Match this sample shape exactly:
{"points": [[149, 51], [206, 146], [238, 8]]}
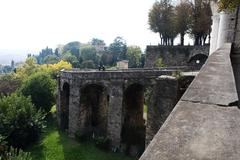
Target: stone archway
{"points": [[64, 114], [197, 61], [133, 128], [94, 102]]}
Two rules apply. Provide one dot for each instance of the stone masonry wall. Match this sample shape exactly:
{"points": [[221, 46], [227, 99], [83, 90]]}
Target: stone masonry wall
{"points": [[173, 55], [163, 99], [205, 122], [235, 55]]}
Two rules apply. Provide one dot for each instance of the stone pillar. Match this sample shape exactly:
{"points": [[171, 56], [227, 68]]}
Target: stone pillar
{"points": [[215, 27], [236, 46], [235, 58], [74, 109], [114, 126], [235, 55], [214, 34], [226, 28], [58, 100], [163, 100]]}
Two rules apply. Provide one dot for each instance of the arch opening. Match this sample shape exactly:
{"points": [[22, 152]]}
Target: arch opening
{"points": [[197, 61], [133, 128], [64, 114], [93, 110]]}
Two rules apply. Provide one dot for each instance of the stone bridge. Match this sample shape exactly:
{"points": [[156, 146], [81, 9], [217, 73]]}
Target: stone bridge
{"points": [[111, 104]]}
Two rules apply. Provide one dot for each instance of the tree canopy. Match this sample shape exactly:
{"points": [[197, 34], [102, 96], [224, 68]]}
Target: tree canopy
{"points": [[40, 87], [118, 49], [134, 56], [161, 19], [228, 4], [183, 18], [186, 17], [200, 27]]}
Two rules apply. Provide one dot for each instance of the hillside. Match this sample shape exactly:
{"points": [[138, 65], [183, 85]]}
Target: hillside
{"points": [[7, 55]]}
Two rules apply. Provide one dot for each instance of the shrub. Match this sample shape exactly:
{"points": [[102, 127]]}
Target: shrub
{"points": [[9, 83], [177, 74], [88, 64], [40, 86], [15, 154], [159, 63], [20, 122]]}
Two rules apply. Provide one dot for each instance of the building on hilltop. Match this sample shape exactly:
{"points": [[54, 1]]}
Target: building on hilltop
{"points": [[122, 64]]}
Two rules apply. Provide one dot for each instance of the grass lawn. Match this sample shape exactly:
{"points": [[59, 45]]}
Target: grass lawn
{"points": [[55, 145]]}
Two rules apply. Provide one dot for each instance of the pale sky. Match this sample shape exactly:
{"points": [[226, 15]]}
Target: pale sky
{"points": [[35, 24]]}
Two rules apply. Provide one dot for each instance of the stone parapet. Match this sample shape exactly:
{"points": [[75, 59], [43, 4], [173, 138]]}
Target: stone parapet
{"points": [[205, 122]]}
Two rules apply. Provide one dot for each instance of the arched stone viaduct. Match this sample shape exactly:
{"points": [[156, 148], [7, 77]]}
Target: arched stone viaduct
{"points": [[110, 104]]}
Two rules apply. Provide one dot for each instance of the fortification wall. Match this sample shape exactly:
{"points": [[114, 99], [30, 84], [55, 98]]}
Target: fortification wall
{"points": [[205, 122], [177, 55]]}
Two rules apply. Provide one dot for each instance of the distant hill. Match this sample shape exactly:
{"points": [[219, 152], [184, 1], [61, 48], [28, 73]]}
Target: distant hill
{"points": [[7, 55]]}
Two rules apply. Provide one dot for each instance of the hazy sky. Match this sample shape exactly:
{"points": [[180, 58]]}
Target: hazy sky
{"points": [[35, 24]]}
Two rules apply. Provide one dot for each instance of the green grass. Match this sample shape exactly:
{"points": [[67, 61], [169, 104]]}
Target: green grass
{"points": [[55, 145]]}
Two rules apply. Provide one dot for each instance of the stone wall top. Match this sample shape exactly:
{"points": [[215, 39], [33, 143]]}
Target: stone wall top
{"points": [[205, 124], [120, 74]]}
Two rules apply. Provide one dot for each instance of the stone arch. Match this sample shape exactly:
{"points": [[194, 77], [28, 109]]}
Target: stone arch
{"points": [[103, 83], [94, 101], [64, 106], [197, 60], [131, 82], [133, 128]]}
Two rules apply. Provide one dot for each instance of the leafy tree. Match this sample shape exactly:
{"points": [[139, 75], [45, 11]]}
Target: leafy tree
{"points": [[118, 49], [201, 21], [20, 122], [106, 59], [9, 83], [183, 18], [26, 69], [71, 59], [73, 48], [142, 60], [59, 50], [98, 44], [50, 59], [88, 64], [53, 69], [44, 53], [6, 69], [162, 20], [96, 41], [41, 87], [89, 53], [134, 56], [228, 4]]}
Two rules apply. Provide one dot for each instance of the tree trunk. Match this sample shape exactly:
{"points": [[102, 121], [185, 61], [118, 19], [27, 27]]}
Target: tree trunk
{"points": [[182, 39], [197, 40], [160, 37]]}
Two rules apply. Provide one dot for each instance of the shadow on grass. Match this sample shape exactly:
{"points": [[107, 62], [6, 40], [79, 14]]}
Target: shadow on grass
{"points": [[37, 150], [56, 145]]}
